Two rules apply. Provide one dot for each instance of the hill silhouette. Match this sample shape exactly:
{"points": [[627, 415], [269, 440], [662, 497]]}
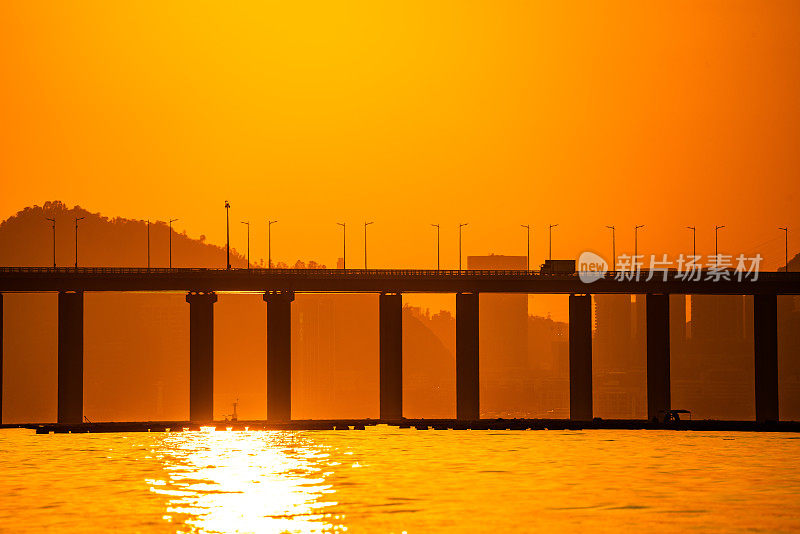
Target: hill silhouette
{"points": [[26, 239]]}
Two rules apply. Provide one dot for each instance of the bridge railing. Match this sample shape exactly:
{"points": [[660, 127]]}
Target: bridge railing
{"points": [[265, 271]]}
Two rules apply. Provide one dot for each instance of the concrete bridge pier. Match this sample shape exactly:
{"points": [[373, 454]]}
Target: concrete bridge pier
{"points": [[201, 355], [580, 358], [658, 356], [1, 358], [390, 311], [467, 362], [765, 337], [70, 357], [279, 355]]}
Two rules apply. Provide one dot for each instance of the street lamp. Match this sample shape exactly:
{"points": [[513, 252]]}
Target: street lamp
{"points": [[636, 242], [344, 244], [613, 246], [716, 240], [54, 239], [269, 243], [437, 246], [170, 241], [248, 242], [460, 226], [528, 228], [148, 244], [227, 235], [786, 247], [550, 251], [365, 242], [76, 239], [694, 240]]}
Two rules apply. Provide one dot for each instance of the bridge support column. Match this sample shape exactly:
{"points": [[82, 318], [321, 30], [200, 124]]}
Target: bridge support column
{"points": [[391, 355], [467, 362], [201, 356], [580, 358], [279, 355], [765, 337], [1, 358], [658, 356], [70, 357]]}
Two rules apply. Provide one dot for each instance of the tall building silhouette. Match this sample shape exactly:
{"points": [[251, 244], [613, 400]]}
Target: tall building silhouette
{"points": [[334, 356], [613, 321], [714, 376], [506, 378], [548, 357], [718, 318], [618, 363]]}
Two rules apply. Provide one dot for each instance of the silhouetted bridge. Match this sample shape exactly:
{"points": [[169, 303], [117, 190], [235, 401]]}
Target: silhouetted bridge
{"points": [[278, 287]]}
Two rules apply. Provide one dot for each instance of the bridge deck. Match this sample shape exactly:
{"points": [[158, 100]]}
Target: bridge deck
{"points": [[41, 279]]}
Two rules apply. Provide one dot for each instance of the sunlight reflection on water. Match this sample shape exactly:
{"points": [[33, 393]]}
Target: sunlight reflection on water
{"points": [[246, 482], [390, 480]]}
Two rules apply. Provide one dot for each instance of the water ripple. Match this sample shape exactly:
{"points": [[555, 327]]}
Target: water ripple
{"points": [[384, 479]]}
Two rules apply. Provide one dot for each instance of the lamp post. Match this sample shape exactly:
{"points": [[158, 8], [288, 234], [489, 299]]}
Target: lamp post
{"points": [[227, 235], [636, 241], [269, 243], [53, 220], [170, 241], [344, 244], [528, 257], [248, 242], [716, 239], [148, 244], [613, 245], [694, 240], [460, 226], [785, 249], [550, 246], [365, 242], [437, 247], [76, 239]]}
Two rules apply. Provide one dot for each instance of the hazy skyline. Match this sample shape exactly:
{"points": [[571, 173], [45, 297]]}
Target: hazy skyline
{"points": [[524, 358]]}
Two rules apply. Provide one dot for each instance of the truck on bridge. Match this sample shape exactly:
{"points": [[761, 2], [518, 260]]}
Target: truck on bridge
{"points": [[558, 267]]}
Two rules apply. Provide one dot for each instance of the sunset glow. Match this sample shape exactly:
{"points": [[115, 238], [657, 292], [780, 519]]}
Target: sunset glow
{"points": [[468, 266], [409, 114]]}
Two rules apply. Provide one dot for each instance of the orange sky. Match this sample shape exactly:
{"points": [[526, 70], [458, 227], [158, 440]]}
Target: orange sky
{"points": [[410, 113]]}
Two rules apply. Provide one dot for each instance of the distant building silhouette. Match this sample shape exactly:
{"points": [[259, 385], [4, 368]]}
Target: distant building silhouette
{"points": [[548, 356], [429, 361], [618, 368], [506, 378], [713, 375], [334, 356], [716, 318]]}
